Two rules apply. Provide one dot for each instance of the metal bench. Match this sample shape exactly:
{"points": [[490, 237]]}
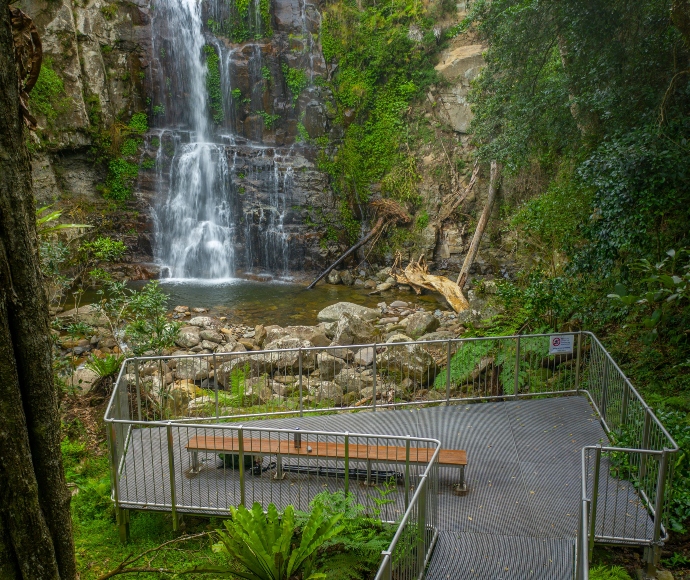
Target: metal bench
{"points": [[327, 450]]}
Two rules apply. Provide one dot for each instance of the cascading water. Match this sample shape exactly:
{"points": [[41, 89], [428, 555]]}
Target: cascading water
{"points": [[225, 185]]}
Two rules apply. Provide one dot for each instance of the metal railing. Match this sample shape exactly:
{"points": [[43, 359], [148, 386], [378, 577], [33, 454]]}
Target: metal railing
{"points": [[181, 396]]}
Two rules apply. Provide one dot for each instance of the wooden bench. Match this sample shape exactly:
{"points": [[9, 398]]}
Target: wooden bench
{"points": [[326, 450]]}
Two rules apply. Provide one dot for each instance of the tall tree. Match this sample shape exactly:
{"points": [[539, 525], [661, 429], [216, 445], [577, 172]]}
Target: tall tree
{"points": [[35, 522]]}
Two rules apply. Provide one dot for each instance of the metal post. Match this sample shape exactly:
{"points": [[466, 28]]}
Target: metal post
{"points": [[595, 500], [301, 399], [421, 526], [448, 376], [655, 550], [136, 380], [121, 516], [240, 453], [625, 404], [577, 361], [605, 390], [171, 467], [645, 442], [516, 392], [215, 382], [347, 462], [407, 472], [373, 393], [387, 567]]}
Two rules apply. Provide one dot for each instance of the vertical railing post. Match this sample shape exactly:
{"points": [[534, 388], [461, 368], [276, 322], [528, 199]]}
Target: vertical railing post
{"points": [[595, 499], [448, 375], [421, 527], [407, 472], [347, 463], [240, 458], [655, 548], [387, 565], [215, 382], [645, 443], [373, 392], [625, 404], [605, 390], [578, 356], [171, 468], [516, 392], [138, 387], [121, 514], [301, 398]]}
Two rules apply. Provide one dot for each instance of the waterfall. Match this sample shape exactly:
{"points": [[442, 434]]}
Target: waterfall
{"points": [[194, 222]]}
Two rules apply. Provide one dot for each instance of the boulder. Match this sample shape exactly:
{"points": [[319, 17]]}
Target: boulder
{"points": [[274, 332], [82, 379], [384, 286], [334, 277], [288, 357], [329, 366], [211, 336], [344, 353], [259, 334], [230, 346], [202, 321], [398, 304], [353, 329], [208, 345], [314, 334], [354, 380], [243, 366], [407, 361], [347, 278], [364, 357], [89, 314], [194, 369], [421, 323], [398, 338], [333, 312], [178, 398], [188, 337], [329, 391]]}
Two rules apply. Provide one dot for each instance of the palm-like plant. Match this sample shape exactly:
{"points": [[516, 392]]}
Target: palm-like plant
{"points": [[263, 542]]}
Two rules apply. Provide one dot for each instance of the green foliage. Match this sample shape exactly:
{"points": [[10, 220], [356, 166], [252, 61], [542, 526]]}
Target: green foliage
{"points": [[121, 176], [266, 73], [104, 249], [296, 80], [139, 123], [148, 163], [107, 366], [236, 94], [608, 573], [150, 329], [158, 110], [44, 227], [213, 89], [422, 221], [46, 97], [302, 134], [244, 22], [263, 543], [109, 11], [269, 120], [130, 147]]}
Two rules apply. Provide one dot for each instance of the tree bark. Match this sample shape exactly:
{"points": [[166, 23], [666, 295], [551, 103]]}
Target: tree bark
{"points": [[481, 226], [35, 521]]}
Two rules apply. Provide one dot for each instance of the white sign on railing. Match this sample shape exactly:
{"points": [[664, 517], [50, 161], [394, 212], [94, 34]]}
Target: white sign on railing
{"points": [[561, 344]]}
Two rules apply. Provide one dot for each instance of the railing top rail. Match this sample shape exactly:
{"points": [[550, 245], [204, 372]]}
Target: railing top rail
{"points": [[623, 449], [237, 427]]}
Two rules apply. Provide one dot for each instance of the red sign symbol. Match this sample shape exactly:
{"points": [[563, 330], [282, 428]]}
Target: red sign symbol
{"points": [[556, 341]]}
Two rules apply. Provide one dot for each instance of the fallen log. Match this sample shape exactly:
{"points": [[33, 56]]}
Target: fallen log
{"points": [[389, 212], [416, 275], [481, 225]]}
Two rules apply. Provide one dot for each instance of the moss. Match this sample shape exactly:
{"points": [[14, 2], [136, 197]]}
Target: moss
{"points": [[121, 176], [109, 11], [213, 89], [47, 96], [139, 123]]}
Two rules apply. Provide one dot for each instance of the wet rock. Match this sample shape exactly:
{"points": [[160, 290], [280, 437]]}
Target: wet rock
{"points": [[398, 304], [335, 311], [202, 321], [370, 284], [188, 337], [359, 283], [421, 323], [194, 369], [329, 366], [364, 357], [211, 336], [383, 287], [408, 361], [353, 329], [181, 309], [347, 278], [334, 277]]}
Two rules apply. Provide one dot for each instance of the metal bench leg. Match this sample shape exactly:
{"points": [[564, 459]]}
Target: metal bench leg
{"points": [[368, 472], [279, 468], [195, 462], [461, 487]]}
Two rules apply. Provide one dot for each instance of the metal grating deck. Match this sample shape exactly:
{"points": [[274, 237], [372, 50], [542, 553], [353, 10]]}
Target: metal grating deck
{"points": [[524, 466]]}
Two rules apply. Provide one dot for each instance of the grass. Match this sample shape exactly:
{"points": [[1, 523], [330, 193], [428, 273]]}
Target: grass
{"points": [[608, 573]]}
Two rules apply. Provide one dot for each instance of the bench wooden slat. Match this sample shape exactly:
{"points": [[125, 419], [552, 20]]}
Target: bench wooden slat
{"points": [[326, 449]]}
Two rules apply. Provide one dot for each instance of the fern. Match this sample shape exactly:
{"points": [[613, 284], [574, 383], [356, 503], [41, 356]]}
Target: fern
{"points": [[106, 366], [263, 543]]}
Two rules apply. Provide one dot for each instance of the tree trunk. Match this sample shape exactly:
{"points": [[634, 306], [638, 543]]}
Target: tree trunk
{"points": [[35, 522], [481, 226]]}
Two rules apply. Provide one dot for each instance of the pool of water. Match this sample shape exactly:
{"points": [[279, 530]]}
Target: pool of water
{"points": [[271, 302]]}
